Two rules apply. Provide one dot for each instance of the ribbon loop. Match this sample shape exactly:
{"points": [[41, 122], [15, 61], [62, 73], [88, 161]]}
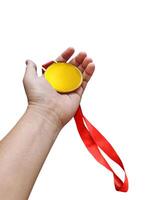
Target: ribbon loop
{"points": [[94, 140]]}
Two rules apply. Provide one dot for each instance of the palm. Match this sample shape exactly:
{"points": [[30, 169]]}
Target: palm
{"points": [[68, 104]]}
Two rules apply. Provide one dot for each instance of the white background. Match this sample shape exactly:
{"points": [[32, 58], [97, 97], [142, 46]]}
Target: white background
{"points": [[116, 34]]}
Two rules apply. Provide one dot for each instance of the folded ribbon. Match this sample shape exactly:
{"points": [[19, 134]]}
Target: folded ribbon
{"points": [[94, 141]]}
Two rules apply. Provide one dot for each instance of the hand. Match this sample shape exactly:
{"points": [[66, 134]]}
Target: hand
{"points": [[56, 107]]}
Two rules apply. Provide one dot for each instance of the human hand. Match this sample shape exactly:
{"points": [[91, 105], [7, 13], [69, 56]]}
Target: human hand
{"points": [[56, 107]]}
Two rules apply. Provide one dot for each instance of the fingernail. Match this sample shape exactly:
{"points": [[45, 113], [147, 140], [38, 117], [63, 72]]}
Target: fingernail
{"points": [[27, 62]]}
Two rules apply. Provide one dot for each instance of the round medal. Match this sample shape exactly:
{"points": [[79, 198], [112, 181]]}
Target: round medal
{"points": [[63, 77]]}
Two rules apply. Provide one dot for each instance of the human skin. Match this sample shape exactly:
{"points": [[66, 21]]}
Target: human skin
{"points": [[24, 149]]}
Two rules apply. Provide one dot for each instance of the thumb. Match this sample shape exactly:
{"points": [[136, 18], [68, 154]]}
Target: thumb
{"points": [[31, 70]]}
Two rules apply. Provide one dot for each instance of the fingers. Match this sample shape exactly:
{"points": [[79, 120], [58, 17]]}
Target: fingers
{"points": [[31, 70], [77, 60], [64, 57], [84, 64], [87, 74]]}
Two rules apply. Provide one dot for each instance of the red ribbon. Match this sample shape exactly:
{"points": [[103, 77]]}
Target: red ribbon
{"points": [[94, 141]]}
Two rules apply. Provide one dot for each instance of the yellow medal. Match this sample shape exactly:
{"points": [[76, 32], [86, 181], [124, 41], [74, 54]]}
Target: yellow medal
{"points": [[63, 77]]}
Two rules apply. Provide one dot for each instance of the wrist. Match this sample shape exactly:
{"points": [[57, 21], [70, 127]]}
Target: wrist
{"points": [[49, 117]]}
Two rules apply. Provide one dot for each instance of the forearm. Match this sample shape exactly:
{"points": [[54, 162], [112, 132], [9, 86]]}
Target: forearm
{"points": [[23, 152]]}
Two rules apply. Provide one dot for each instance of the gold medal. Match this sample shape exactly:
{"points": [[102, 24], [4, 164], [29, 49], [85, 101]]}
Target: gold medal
{"points": [[63, 77]]}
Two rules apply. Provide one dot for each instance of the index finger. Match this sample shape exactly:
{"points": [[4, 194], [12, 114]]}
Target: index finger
{"points": [[64, 57]]}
